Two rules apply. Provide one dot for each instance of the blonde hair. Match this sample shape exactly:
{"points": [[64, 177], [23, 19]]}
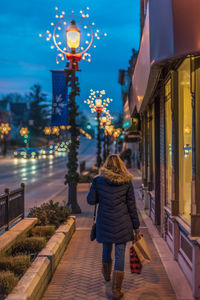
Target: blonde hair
{"points": [[115, 164]]}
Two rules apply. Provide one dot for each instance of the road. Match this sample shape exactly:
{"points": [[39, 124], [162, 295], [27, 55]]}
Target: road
{"points": [[43, 177]]}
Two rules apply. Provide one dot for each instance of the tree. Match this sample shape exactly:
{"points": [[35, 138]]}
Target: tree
{"points": [[13, 98], [39, 110]]}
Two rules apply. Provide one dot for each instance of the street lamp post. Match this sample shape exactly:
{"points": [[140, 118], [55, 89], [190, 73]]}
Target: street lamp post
{"points": [[116, 134], [98, 103], [24, 132], [72, 177], [74, 52], [47, 131], [110, 130], [56, 130], [104, 120], [4, 129]]}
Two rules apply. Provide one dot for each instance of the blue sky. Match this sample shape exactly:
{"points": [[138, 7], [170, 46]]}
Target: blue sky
{"points": [[25, 59]]}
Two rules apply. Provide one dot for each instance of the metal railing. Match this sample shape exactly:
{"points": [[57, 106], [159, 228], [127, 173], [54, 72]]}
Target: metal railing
{"points": [[11, 207]]}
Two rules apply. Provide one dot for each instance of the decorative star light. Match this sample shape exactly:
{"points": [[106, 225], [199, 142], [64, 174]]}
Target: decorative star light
{"points": [[58, 37], [97, 100], [5, 128]]}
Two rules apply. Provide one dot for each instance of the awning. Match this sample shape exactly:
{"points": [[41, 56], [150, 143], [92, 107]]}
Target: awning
{"points": [[171, 30]]}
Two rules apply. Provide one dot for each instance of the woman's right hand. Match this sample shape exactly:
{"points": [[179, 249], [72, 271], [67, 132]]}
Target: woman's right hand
{"points": [[137, 235]]}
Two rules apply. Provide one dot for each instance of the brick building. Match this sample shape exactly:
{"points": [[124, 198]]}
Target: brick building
{"points": [[165, 91]]}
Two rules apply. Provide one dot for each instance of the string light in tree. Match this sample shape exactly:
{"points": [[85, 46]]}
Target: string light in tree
{"points": [[68, 23]]}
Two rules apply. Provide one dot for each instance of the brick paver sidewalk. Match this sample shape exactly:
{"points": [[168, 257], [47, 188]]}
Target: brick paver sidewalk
{"points": [[78, 275]]}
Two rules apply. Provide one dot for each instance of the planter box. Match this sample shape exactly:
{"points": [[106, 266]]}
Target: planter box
{"points": [[34, 282], [8, 238]]}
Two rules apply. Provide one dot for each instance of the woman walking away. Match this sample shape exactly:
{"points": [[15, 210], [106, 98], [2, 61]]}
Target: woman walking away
{"points": [[117, 217]]}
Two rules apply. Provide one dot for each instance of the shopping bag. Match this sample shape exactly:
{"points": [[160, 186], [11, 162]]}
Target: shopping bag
{"points": [[142, 251], [135, 264]]}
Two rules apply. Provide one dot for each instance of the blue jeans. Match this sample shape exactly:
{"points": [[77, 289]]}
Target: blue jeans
{"points": [[119, 255]]}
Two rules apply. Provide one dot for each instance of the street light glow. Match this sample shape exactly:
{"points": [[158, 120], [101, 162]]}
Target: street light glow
{"points": [[73, 35], [98, 102], [66, 23]]}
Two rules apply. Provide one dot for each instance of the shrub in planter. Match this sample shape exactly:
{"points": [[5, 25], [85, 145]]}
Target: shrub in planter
{"points": [[8, 281], [17, 264], [45, 231], [29, 245], [20, 264], [50, 213]]}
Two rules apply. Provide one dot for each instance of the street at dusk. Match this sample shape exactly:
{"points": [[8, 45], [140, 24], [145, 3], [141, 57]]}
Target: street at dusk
{"points": [[99, 150], [43, 177]]}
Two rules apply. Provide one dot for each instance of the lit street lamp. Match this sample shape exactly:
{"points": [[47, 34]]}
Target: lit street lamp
{"points": [[103, 121], [47, 131], [24, 132], [109, 131], [98, 103], [116, 134], [4, 129], [55, 130], [74, 49]]}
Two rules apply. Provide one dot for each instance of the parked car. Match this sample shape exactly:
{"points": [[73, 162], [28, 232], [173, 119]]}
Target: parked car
{"points": [[32, 152], [47, 151], [20, 153], [62, 147]]}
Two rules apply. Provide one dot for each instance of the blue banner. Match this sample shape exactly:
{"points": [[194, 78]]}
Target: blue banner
{"points": [[60, 99]]}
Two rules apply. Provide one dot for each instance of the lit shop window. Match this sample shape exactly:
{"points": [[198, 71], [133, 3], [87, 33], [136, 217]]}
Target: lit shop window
{"points": [[168, 142], [153, 144], [185, 139]]}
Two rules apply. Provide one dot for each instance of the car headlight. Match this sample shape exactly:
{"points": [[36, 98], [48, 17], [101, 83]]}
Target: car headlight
{"points": [[15, 153]]}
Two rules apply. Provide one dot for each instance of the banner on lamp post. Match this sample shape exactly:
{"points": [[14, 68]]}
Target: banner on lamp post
{"points": [[59, 99]]}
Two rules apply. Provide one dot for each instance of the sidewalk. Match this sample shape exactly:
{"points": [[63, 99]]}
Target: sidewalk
{"points": [[78, 275]]}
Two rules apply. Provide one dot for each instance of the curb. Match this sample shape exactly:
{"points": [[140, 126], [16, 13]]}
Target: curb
{"points": [[35, 281]]}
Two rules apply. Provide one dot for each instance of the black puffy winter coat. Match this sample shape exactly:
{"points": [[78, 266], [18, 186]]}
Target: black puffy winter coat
{"points": [[117, 214]]}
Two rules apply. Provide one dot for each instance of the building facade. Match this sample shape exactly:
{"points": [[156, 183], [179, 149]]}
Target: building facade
{"points": [[165, 91], [131, 124]]}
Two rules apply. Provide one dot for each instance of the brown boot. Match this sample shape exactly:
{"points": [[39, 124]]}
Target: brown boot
{"points": [[117, 280], [106, 270]]}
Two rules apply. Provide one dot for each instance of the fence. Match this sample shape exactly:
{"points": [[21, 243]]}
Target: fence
{"points": [[11, 207]]}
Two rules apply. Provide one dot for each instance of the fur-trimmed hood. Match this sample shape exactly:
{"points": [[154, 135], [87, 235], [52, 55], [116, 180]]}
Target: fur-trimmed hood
{"points": [[115, 177]]}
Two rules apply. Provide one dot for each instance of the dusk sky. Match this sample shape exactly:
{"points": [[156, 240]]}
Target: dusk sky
{"points": [[25, 59]]}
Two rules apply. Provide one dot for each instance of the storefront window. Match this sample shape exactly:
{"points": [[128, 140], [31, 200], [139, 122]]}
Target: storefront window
{"points": [[153, 145], [185, 139], [168, 142]]}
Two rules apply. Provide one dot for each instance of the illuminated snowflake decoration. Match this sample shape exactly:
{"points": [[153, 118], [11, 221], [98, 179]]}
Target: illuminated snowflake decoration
{"points": [[58, 37], [97, 100], [58, 105]]}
